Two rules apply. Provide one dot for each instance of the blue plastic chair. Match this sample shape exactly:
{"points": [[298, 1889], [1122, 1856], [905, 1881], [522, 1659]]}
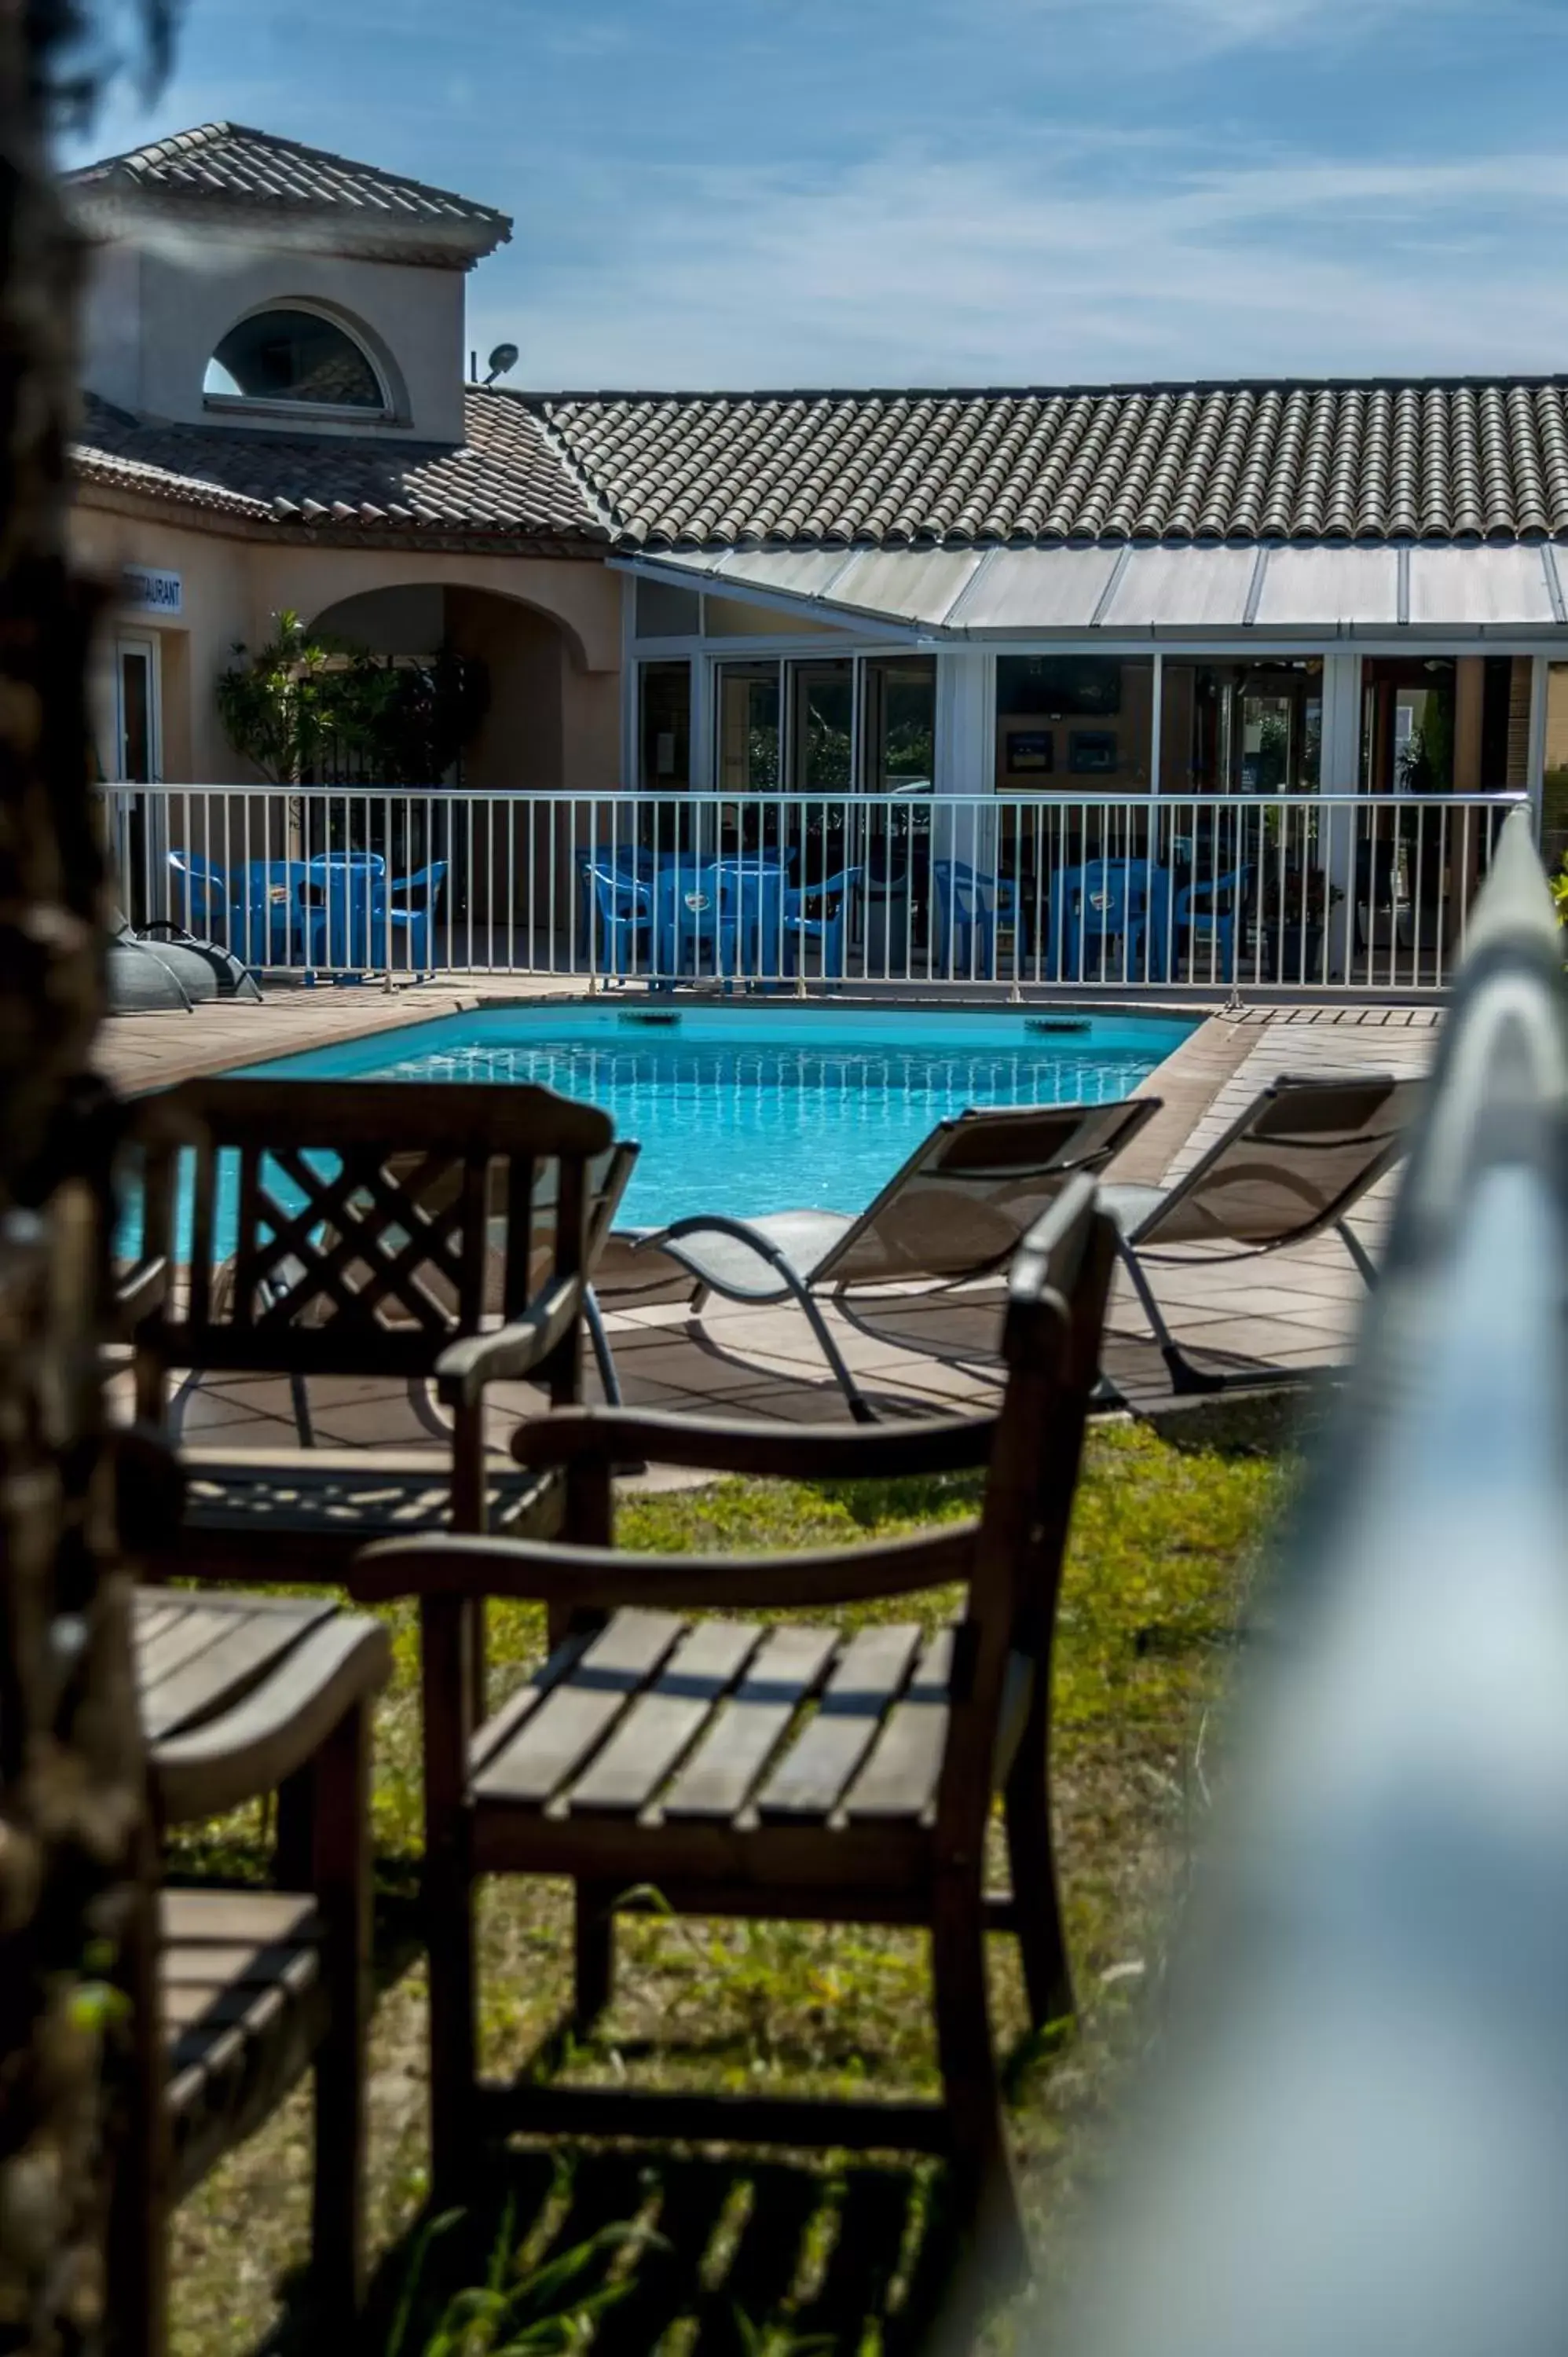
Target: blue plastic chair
{"points": [[751, 917], [203, 894], [1207, 914], [613, 859], [407, 905], [343, 886], [689, 905], [623, 908], [278, 920], [1103, 900], [831, 901], [966, 921]]}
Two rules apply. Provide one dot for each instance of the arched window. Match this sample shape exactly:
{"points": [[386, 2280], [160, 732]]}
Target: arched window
{"points": [[295, 356]]}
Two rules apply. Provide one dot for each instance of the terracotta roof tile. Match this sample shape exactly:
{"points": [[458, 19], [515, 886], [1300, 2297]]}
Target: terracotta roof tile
{"points": [[1303, 462], [1300, 461], [230, 164], [508, 476]]}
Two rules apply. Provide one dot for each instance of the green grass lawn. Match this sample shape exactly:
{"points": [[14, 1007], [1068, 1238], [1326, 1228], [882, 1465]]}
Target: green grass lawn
{"points": [[800, 2252]]}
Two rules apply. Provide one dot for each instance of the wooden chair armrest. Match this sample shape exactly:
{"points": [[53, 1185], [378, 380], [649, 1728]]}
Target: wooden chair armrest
{"points": [[600, 1580], [784, 1453], [141, 1290], [512, 1352], [278, 1727]]}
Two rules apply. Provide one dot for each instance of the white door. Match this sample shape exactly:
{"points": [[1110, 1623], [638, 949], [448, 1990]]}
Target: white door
{"points": [[139, 831]]}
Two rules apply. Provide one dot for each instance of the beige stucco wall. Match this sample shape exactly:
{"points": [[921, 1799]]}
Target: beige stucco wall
{"points": [[157, 312], [554, 646]]}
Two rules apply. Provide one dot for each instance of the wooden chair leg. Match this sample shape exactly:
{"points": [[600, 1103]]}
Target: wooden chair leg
{"points": [[137, 2255], [294, 1833], [593, 1958], [342, 1879], [982, 2174], [454, 2028], [1036, 1899], [447, 1648], [479, 1664]]}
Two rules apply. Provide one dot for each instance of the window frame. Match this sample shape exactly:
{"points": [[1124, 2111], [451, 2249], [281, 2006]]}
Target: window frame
{"points": [[253, 404]]}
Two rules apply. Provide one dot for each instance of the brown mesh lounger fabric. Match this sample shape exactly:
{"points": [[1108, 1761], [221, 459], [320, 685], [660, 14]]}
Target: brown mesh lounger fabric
{"points": [[1292, 1166], [957, 1211]]}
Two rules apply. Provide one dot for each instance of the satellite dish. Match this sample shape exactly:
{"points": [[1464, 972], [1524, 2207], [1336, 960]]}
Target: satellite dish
{"points": [[502, 361]]}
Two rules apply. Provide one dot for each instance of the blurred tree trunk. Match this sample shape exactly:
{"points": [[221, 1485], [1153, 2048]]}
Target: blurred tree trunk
{"points": [[72, 1925]]}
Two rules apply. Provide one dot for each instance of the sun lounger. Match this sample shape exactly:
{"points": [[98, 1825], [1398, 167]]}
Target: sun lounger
{"points": [[1292, 1166], [957, 1211]]}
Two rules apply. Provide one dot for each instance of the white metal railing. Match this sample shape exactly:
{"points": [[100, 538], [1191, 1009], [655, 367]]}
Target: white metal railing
{"points": [[1351, 2137], [1314, 893]]}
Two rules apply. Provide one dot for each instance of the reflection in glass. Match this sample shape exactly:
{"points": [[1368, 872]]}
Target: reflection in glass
{"points": [[1408, 715], [1242, 728], [1073, 724], [899, 725], [135, 715], [1554, 788], [665, 731], [748, 729], [821, 726], [294, 356]]}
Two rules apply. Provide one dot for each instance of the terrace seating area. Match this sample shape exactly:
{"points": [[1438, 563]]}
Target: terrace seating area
{"points": [[338, 911], [427, 1377], [1304, 892], [673, 917]]}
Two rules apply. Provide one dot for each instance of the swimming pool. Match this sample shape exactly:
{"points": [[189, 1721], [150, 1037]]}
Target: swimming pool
{"points": [[747, 1110]]}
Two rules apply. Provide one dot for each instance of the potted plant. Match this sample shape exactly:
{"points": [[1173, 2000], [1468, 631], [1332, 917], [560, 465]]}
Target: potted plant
{"points": [[1292, 910]]}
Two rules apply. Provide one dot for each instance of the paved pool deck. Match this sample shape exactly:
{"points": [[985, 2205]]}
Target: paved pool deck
{"points": [[1295, 1311]]}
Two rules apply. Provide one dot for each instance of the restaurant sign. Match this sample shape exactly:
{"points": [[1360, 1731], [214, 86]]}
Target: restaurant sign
{"points": [[146, 590]]}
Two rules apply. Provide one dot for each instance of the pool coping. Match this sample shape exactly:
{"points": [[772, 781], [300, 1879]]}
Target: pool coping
{"points": [[142, 1054]]}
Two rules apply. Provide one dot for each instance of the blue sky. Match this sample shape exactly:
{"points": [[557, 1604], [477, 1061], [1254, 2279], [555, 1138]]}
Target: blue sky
{"points": [[836, 192]]}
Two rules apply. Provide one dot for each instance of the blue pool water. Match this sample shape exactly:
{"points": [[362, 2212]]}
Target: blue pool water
{"points": [[751, 1110]]}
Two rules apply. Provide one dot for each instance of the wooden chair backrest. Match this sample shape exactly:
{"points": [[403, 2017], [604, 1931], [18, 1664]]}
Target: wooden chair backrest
{"points": [[608, 1177], [1057, 1291], [365, 1235]]}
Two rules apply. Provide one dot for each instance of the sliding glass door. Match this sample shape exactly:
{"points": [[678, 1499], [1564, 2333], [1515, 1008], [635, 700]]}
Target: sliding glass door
{"points": [[1242, 728], [750, 736], [845, 725]]}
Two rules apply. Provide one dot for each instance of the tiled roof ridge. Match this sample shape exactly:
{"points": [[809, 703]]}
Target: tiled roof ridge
{"points": [[1150, 388], [565, 457], [504, 481], [144, 166]]}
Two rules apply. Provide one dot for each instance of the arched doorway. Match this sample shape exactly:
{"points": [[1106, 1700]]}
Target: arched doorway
{"points": [[482, 683]]}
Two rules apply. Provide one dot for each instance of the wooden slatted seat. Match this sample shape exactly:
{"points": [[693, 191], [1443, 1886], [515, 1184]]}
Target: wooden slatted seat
{"points": [[242, 1696], [439, 1235], [728, 1737], [244, 2005], [741, 1765], [328, 1497]]}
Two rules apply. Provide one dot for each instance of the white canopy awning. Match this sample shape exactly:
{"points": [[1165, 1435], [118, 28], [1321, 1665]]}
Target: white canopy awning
{"points": [[1158, 592]]}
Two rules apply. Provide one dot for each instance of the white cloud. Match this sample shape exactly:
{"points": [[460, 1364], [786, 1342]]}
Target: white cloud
{"points": [[1175, 24], [1020, 268], [1159, 29]]}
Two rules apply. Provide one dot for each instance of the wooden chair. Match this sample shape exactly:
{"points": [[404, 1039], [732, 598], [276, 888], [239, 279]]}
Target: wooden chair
{"points": [[364, 1242], [254, 1987], [775, 1771]]}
